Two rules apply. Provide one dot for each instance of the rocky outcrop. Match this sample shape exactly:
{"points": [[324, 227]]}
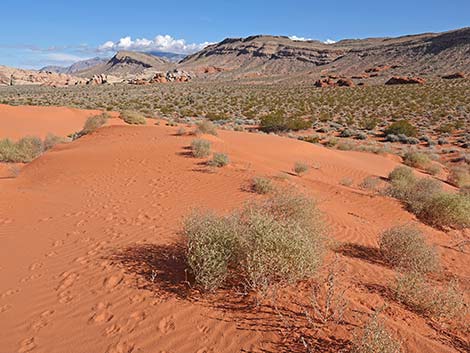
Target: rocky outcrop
{"points": [[398, 80], [97, 80], [330, 82], [345, 82], [16, 77], [457, 75], [164, 77]]}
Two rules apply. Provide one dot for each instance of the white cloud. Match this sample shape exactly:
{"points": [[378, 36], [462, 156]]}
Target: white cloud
{"points": [[301, 39], [63, 57], [165, 43], [329, 41]]}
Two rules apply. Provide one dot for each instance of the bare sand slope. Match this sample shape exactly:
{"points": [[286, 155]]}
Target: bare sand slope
{"points": [[89, 260], [19, 121]]}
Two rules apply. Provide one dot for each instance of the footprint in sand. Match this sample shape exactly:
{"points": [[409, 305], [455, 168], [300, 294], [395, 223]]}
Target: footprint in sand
{"points": [[112, 282], [27, 345], [9, 293], [5, 308], [112, 330], [35, 266], [101, 314], [166, 325], [203, 329], [68, 279], [121, 347]]}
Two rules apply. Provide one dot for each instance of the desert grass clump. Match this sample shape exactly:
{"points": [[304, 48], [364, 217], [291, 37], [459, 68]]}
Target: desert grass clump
{"points": [[133, 118], [51, 140], [93, 123], [405, 247], [23, 151], [200, 148], [448, 303], [279, 240], [370, 183], [219, 160], [416, 159], [206, 127], [300, 168], [375, 338], [262, 185]]}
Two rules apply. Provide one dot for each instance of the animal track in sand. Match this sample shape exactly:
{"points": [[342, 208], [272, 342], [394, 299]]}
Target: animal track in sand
{"points": [[112, 330], [101, 313], [35, 266], [27, 345], [166, 325], [121, 347], [204, 329], [9, 293], [42, 321], [5, 308], [68, 279], [112, 282]]}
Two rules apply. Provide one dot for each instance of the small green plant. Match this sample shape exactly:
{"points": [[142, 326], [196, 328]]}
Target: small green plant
{"points": [[300, 168], [262, 185], [219, 160], [402, 127], [133, 118], [200, 148], [404, 247]]}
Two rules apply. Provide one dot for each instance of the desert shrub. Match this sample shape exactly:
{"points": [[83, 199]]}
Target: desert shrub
{"points": [[211, 247], [51, 140], [200, 148], [279, 240], [412, 290], [370, 183], [93, 123], [181, 131], [262, 185], [375, 338], [447, 210], [219, 160], [311, 138], [404, 247], [402, 173], [459, 176], [278, 121], [345, 146], [331, 142], [401, 127], [133, 118], [370, 123], [433, 169], [23, 151], [206, 127], [416, 159], [300, 168]]}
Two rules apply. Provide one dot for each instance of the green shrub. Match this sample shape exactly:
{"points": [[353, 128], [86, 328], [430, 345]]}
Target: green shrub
{"points": [[404, 247], [201, 148], [133, 118], [401, 127], [447, 210], [279, 240], [412, 290], [375, 338], [262, 185], [300, 168], [219, 160], [416, 159], [93, 123], [206, 127], [279, 122]]}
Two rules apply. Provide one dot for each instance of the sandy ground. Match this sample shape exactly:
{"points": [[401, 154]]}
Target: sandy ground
{"points": [[90, 261]]}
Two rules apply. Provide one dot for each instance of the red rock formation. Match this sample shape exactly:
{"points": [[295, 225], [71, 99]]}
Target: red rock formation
{"points": [[398, 80], [345, 82]]}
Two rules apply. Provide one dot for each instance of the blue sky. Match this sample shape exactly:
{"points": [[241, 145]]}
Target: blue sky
{"points": [[36, 33]]}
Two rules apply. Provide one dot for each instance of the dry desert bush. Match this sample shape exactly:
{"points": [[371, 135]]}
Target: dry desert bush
{"points": [[93, 123], [405, 247], [23, 151], [219, 160], [300, 168], [200, 148], [133, 118], [262, 185], [206, 127], [279, 240]]}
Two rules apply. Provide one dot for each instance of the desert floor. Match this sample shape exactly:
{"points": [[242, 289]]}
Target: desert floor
{"points": [[90, 242]]}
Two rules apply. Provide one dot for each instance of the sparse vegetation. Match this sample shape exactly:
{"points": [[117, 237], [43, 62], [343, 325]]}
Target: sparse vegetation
{"points": [[133, 118], [219, 160], [23, 151], [403, 127], [416, 159], [93, 123], [206, 127], [300, 168], [262, 185]]}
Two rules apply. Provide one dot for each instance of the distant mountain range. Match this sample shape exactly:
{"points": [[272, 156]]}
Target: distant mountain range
{"points": [[429, 54]]}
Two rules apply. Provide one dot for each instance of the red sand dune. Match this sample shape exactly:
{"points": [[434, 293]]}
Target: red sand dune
{"points": [[87, 234], [16, 122]]}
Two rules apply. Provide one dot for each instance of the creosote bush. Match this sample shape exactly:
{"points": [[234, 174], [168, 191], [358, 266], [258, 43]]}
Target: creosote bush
{"points": [[416, 159], [262, 185], [279, 240], [133, 118], [279, 122], [200, 148], [401, 127], [404, 247]]}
